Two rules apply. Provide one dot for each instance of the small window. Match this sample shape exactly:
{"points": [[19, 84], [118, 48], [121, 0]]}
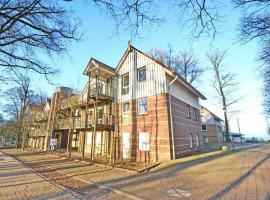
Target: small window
{"points": [[141, 74], [190, 140], [198, 140], [142, 106], [125, 84], [188, 111], [126, 114], [126, 107], [195, 114], [100, 113], [143, 141], [204, 128], [77, 113]]}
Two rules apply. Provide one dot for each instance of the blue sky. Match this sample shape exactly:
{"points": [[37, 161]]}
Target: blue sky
{"points": [[98, 42]]}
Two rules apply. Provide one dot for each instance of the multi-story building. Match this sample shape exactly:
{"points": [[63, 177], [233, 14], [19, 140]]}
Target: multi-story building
{"points": [[36, 120], [212, 126], [139, 111]]}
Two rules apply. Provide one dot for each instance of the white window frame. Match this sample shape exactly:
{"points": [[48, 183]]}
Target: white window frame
{"points": [[125, 88], [205, 127], [144, 141], [139, 110], [195, 114], [138, 74], [188, 111], [198, 139], [190, 140], [127, 102], [126, 114]]}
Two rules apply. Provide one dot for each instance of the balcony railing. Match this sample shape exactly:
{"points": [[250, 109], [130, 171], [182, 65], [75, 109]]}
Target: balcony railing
{"points": [[101, 89], [79, 122], [102, 120]]}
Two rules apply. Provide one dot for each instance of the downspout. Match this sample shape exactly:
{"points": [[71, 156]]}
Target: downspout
{"points": [[170, 107]]}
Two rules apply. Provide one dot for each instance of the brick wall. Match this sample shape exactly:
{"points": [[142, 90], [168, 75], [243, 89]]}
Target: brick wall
{"points": [[155, 122], [183, 126]]}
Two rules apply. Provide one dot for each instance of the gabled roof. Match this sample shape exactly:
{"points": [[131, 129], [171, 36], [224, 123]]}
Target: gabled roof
{"points": [[97, 63], [168, 69], [216, 117]]}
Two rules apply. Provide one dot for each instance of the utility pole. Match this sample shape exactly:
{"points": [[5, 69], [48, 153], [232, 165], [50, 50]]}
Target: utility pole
{"points": [[239, 131]]}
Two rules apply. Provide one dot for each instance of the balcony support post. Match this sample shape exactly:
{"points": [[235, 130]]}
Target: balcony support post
{"points": [[95, 117], [86, 117]]}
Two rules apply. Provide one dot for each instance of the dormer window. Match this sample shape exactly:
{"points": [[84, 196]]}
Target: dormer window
{"points": [[125, 84]]}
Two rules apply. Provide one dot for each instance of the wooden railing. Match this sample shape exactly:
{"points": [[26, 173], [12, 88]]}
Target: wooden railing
{"points": [[79, 122], [101, 89]]}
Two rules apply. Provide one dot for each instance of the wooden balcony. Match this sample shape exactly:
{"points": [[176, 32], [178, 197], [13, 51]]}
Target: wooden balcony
{"points": [[101, 91], [105, 122]]}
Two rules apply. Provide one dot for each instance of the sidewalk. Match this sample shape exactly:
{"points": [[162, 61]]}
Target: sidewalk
{"points": [[121, 181]]}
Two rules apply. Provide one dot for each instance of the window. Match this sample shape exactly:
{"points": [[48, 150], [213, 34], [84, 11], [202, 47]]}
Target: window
{"points": [[204, 128], [126, 114], [126, 107], [198, 140], [219, 129], [188, 111], [205, 139], [143, 106], [141, 74], [143, 141], [195, 114], [77, 113], [190, 140], [125, 84]]}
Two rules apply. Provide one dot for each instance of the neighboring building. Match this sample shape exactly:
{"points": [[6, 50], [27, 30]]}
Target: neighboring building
{"points": [[237, 137], [212, 126], [37, 121], [140, 111]]}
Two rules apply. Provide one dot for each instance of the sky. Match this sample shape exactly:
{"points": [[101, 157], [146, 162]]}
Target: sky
{"points": [[100, 42]]}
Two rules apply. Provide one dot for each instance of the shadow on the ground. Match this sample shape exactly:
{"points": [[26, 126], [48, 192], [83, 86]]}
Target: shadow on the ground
{"points": [[238, 180]]}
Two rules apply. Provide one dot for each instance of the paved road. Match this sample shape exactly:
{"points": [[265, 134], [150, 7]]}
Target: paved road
{"points": [[237, 176], [17, 181], [232, 176]]}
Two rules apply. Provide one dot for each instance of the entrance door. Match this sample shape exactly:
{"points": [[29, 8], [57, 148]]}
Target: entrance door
{"points": [[126, 145]]}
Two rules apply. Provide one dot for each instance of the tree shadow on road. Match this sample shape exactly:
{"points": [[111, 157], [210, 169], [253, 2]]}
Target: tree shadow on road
{"points": [[235, 183]]}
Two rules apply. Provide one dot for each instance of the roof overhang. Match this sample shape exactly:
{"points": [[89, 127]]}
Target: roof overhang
{"points": [[186, 84], [95, 67]]}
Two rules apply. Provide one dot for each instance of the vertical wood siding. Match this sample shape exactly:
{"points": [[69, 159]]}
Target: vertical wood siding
{"points": [[154, 84]]}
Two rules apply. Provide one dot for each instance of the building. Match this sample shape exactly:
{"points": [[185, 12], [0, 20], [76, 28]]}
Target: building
{"points": [[212, 126], [139, 111], [237, 137], [36, 120]]}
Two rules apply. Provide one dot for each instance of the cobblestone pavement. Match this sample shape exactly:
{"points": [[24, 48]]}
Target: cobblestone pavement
{"points": [[231, 176], [17, 181]]}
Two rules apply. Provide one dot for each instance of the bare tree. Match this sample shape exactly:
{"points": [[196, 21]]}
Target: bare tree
{"points": [[225, 85], [18, 98], [201, 15], [185, 63], [132, 15], [266, 90], [30, 28]]}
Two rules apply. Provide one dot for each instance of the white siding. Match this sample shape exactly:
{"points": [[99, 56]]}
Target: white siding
{"points": [[155, 77], [183, 94]]}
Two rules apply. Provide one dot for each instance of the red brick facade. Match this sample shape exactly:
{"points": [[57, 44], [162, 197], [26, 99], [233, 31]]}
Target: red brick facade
{"points": [[157, 124]]}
